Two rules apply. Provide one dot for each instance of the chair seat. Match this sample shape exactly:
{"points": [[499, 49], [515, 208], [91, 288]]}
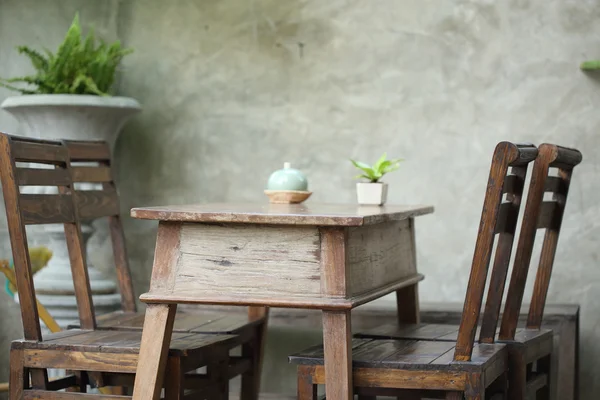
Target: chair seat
{"points": [[209, 323], [124, 342], [442, 332], [407, 354]]}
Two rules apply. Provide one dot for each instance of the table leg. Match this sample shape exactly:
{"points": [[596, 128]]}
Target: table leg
{"points": [[337, 342], [154, 350], [250, 387], [407, 303]]}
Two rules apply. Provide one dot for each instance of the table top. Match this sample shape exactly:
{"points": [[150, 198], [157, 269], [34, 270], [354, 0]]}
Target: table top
{"points": [[283, 214]]}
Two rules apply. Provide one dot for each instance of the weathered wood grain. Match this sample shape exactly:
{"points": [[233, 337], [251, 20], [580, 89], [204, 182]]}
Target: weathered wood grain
{"points": [[46, 208], [322, 303], [98, 174], [378, 255], [38, 151], [282, 214], [337, 351], [42, 177], [334, 273], [261, 260], [92, 204], [87, 150], [505, 155]]}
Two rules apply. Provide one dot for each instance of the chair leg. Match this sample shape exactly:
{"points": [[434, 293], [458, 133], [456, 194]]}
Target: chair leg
{"points": [[174, 389], [544, 366], [407, 300], [156, 336], [16, 380], [254, 350], [218, 374], [306, 389], [82, 380], [475, 389], [517, 375]]}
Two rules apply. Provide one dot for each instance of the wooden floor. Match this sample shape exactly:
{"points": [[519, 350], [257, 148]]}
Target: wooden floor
{"points": [[271, 396], [266, 396]]}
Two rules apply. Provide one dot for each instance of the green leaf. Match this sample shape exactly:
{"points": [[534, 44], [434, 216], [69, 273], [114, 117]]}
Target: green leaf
{"points": [[39, 62], [379, 162], [365, 168], [79, 66], [590, 65]]}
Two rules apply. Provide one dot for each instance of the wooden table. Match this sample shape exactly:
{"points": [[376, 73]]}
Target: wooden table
{"points": [[327, 257]]}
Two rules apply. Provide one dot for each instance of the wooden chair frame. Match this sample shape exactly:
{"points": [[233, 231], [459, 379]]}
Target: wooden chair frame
{"points": [[531, 345], [466, 377], [105, 203], [32, 355]]}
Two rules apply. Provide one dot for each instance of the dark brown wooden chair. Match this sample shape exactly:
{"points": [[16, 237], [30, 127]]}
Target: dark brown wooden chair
{"points": [[91, 163], [98, 357], [531, 344], [412, 368]]}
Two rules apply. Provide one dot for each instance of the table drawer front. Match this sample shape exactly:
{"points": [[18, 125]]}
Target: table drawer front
{"points": [[247, 260], [378, 255]]}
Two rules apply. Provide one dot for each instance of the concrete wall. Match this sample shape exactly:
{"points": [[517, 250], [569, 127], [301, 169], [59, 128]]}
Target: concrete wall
{"points": [[233, 88]]}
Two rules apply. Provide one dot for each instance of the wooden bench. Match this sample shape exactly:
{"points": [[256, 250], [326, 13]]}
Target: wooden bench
{"points": [[563, 319]]}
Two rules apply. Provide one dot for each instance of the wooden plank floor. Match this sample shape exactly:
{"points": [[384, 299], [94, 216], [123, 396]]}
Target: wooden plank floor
{"points": [[266, 396]]}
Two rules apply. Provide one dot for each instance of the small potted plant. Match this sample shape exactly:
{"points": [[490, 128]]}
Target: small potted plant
{"points": [[374, 192]]}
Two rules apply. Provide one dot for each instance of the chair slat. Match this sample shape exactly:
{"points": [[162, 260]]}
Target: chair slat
{"points": [[555, 184], [564, 157], [46, 209], [507, 218], [25, 151], [42, 177], [511, 184], [539, 214], [495, 217], [99, 174], [92, 204], [548, 213], [88, 151]]}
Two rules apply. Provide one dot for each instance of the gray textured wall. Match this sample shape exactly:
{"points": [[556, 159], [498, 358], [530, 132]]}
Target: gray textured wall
{"points": [[233, 88]]}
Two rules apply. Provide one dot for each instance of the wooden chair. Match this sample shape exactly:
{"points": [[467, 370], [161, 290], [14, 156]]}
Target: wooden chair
{"points": [[99, 357], [456, 369], [533, 344], [91, 163]]}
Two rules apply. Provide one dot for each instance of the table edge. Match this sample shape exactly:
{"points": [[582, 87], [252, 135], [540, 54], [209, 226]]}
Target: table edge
{"points": [[259, 219], [322, 303]]}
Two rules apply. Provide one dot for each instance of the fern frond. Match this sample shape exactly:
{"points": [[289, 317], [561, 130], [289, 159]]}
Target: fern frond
{"points": [[39, 62], [79, 66], [16, 89]]}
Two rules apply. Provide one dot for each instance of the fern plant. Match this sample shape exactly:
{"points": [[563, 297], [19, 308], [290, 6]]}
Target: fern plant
{"points": [[78, 67], [375, 172]]}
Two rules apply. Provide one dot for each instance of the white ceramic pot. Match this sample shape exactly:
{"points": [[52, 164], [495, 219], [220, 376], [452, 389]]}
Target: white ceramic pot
{"points": [[374, 194], [70, 116]]}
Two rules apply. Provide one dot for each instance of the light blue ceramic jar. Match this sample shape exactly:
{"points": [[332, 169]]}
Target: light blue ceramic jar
{"points": [[287, 178]]}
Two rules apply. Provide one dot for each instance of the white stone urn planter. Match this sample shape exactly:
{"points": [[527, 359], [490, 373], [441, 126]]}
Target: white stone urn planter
{"points": [[69, 116], [371, 194], [75, 117]]}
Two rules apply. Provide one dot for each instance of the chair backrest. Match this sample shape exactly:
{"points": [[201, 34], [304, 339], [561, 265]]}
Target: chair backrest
{"points": [[90, 163], [28, 209], [539, 214], [498, 218], [65, 165]]}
